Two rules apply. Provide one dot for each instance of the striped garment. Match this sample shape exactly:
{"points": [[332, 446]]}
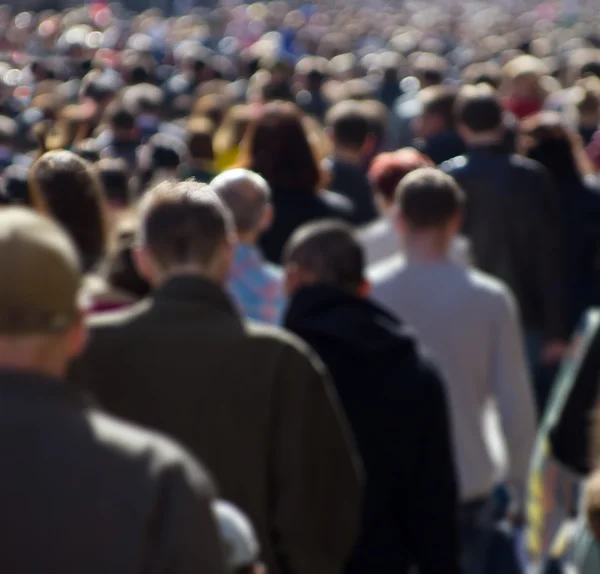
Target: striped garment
{"points": [[256, 286]]}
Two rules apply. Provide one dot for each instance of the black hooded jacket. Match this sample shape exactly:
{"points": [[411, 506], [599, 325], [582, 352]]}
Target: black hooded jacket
{"points": [[396, 405]]}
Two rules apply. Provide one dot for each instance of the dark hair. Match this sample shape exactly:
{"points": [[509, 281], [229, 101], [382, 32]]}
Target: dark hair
{"points": [[479, 110], [329, 251], [349, 123], [183, 222], [14, 186], [115, 176], [122, 119], [166, 151], [428, 198], [122, 273], [277, 147], [439, 101], [66, 187]]}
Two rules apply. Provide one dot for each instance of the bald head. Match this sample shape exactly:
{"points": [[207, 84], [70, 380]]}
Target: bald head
{"points": [[246, 194]]}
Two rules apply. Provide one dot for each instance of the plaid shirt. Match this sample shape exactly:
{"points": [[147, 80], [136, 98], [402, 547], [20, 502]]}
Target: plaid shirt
{"points": [[256, 286]]}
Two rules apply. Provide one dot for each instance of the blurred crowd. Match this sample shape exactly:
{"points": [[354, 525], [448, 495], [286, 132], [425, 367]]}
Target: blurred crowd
{"points": [[346, 254]]}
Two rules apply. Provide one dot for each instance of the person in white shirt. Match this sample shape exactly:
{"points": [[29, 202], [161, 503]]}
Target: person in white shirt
{"points": [[469, 321]]}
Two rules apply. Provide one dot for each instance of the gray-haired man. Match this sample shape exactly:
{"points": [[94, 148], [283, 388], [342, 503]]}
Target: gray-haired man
{"points": [[255, 285]]}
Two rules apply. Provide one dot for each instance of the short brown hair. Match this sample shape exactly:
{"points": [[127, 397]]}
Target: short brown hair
{"points": [[479, 109], [199, 139], [428, 198], [329, 251], [439, 101], [349, 123], [183, 222]]}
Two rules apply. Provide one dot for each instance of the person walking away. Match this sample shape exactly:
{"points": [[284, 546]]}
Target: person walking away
{"points": [[251, 401], [512, 220], [394, 400], [469, 322], [80, 490], [255, 285], [349, 128]]}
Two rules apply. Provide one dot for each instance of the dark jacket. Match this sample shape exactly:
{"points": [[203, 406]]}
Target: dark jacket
{"points": [[83, 492], [294, 207], [444, 146], [351, 181], [250, 401], [513, 222], [396, 405]]}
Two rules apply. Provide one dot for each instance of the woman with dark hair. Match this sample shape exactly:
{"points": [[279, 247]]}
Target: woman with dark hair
{"points": [[544, 138], [65, 187], [278, 148]]}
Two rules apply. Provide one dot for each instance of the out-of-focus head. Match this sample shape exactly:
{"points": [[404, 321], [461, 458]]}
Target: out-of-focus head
{"points": [[199, 139], [437, 111], [41, 327], [428, 200], [591, 504], [65, 186], [277, 147], [430, 69], [247, 195], [184, 229], [14, 186], [350, 127], [325, 253], [115, 177], [388, 169], [479, 114]]}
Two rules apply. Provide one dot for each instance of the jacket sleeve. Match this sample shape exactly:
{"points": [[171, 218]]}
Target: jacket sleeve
{"points": [[315, 489], [436, 539], [550, 257], [182, 531]]}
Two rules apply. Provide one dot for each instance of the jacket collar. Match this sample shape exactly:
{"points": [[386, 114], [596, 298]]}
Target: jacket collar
{"points": [[35, 386], [195, 289], [486, 149]]}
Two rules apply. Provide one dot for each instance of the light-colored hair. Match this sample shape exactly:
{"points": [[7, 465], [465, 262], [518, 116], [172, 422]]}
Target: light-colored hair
{"points": [[245, 193]]}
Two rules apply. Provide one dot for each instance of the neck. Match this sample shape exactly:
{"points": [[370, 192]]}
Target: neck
{"points": [[349, 156], [186, 270], [248, 237], [28, 354], [426, 247], [484, 139]]}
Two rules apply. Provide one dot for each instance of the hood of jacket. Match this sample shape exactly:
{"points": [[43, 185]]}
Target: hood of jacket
{"points": [[357, 323]]}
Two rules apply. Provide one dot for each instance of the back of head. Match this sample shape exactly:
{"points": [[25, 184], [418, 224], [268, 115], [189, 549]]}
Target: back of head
{"points": [[41, 295], [388, 169], [439, 101], [246, 194], [349, 125], [278, 148], [199, 138], [428, 199], [479, 110], [115, 177], [184, 225], [14, 186], [65, 186], [329, 253]]}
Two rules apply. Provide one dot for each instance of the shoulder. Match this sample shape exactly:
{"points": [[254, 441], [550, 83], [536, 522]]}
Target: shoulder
{"points": [[336, 202], [455, 164], [490, 289], [529, 167], [387, 271], [137, 445], [118, 319]]}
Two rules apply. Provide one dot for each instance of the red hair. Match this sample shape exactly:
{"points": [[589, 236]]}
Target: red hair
{"points": [[389, 169]]}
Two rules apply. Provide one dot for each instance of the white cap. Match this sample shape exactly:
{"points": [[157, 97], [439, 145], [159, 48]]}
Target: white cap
{"points": [[238, 536]]}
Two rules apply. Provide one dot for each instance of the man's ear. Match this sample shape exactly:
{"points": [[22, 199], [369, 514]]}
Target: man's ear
{"points": [[77, 336], [267, 218], [369, 146], [365, 288], [143, 263]]}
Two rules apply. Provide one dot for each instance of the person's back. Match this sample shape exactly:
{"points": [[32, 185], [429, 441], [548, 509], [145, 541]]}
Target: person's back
{"points": [[394, 401], [81, 491], [469, 322], [184, 362], [511, 217]]}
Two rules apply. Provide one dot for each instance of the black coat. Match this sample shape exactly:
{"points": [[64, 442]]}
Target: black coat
{"points": [[294, 207], [396, 406], [514, 225], [83, 492], [444, 146]]}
